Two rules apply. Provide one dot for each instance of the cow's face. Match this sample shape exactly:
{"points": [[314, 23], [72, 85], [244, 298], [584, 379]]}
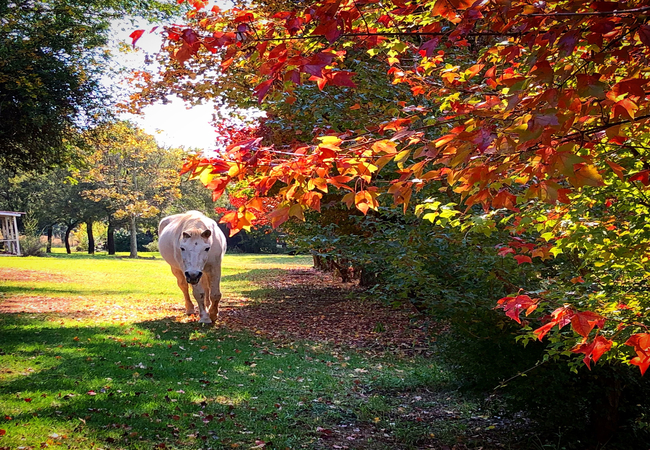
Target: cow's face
{"points": [[195, 248]]}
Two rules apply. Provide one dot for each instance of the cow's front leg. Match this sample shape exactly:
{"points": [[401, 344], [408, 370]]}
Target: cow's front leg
{"points": [[182, 284], [199, 295], [214, 306], [215, 293]]}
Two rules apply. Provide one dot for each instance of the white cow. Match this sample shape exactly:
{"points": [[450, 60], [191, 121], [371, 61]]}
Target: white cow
{"points": [[194, 246]]}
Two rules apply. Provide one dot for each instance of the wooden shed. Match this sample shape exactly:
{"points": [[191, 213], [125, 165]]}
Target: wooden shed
{"points": [[9, 232]]}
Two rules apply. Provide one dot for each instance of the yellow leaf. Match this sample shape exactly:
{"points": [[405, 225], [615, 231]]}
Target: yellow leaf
{"points": [[330, 140], [586, 175], [296, 211]]}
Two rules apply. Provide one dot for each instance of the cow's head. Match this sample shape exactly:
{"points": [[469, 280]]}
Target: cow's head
{"points": [[195, 246]]}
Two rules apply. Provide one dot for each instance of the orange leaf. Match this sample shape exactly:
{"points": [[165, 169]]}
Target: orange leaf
{"points": [[279, 216], [618, 170]]}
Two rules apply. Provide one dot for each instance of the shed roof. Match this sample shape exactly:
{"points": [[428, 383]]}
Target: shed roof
{"points": [[11, 213]]}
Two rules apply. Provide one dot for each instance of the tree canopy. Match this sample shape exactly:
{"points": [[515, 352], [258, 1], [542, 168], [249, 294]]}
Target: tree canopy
{"points": [[535, 114], [52, 55]]}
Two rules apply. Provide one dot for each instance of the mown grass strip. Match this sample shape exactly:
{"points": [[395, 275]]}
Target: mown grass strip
{"points": [[142, 381]]}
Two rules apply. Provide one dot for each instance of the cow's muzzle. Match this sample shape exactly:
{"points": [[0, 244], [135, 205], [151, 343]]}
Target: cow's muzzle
{"points": [[193, 277]]}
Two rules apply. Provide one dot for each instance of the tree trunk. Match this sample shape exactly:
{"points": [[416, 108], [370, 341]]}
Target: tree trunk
{"points": [[67, 239], [134, 238], [110, 239], [91, 238], [48, 249]]}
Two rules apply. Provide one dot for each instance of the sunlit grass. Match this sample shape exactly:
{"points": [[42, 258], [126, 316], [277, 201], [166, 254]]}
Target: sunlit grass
{"points": [[149, 379]]}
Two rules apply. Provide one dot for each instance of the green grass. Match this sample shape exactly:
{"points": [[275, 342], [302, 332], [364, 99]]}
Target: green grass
{"points": [[143, 381]]}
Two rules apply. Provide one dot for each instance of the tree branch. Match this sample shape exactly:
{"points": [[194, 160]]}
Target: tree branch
{"points": [[593, 13]]}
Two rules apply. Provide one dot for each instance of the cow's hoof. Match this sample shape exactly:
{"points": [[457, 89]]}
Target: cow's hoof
{"points": [[205, 320]]}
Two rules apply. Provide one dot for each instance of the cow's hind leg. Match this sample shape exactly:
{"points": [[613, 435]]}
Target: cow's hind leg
{"points": [[199, 294], [182, 284]]}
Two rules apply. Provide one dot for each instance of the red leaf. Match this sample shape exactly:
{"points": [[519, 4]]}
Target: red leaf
{"points": [[644, 34], [641, 344], [618, 169], [594, 350], [28, 400], [643, 177], [505, 251], [632, 86], [3, 432], [328, 28], [137, 34], [342, 78], [505, 199], [560, 317], [583, 322], [541, 331], [523, 259], [514, 305], [262, 89], [427, 49]]}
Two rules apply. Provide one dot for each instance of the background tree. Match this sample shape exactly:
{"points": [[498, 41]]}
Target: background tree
{"points": [[52, 55], [131, 174]]}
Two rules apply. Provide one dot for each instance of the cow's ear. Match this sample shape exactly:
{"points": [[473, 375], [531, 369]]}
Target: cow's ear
{"points": [[186, 235], [206, 234]]}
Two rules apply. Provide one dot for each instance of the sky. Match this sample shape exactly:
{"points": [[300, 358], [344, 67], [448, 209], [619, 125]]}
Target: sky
{"points": [[172, 124]]}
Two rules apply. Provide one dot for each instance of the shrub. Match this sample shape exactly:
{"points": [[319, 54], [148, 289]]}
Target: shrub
{"points": [[152, 246], [32, 246], [123, 240]]}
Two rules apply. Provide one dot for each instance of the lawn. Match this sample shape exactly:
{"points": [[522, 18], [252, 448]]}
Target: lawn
{"points": [[96, 353]]}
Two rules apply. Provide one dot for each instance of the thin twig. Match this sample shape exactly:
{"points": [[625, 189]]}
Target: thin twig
{"points": [[594, 13]]}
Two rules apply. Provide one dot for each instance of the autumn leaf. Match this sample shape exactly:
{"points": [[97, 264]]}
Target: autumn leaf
{"points": [[279, 216], [135, 36], [643, 177], [262, 89], [583, 322], [618, 169], [514, 305], [644, 34], [560, 317], [521, 259], [593, 350], [641, 344], [586, 175]]}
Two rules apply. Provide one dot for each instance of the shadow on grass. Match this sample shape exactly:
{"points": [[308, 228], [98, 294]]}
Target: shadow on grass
{"points": [[148, 384]]}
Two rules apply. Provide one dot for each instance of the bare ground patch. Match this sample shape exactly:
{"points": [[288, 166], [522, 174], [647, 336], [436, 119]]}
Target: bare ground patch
{"points": [[312, 305]]}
